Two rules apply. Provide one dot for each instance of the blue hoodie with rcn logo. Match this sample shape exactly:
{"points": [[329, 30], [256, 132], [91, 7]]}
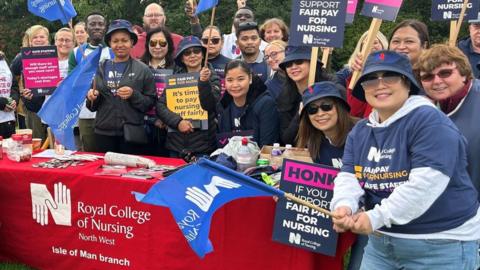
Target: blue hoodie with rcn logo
{"points": [[411, 171]]}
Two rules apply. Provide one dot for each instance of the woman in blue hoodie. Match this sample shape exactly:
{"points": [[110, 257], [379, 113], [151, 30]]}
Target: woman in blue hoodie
{"points": [[408, 163], [246, 105]]}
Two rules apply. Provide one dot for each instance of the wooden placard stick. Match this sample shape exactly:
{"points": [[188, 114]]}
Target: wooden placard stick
{"points": [[313, 66], [210, 34], [303, 202], [453, 27], [372, 35], [325, 55], [453, 37]]}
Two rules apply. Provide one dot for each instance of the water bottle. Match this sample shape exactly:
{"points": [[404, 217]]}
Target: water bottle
{"points": [[245, 158], [276, 155], [288, 151]]}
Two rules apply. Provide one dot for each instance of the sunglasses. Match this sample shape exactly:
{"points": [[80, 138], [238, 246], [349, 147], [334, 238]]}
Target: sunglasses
{"points": [[313, 108], [272, 55], [442, 74], [214, 41], [297, 62], [388, 78], [161, 42], [194, 50]]}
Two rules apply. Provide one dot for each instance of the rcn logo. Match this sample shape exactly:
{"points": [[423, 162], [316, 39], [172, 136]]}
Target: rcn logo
{"points": [[60, 205], [204, 198], [307, 39], [377, 10], [374, 154], [294, 238]]}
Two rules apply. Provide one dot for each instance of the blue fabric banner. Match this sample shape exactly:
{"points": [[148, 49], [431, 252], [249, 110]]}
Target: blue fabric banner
{"points": [[61, 111], [195, 192], [205, 5], [52, 10]]}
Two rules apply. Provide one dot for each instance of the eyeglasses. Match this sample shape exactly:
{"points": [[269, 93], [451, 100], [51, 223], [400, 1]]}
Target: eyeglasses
{"points": [[297, 62], [214, 41], [388, 78], [272, 55], [64, 40], [154, 15], [313, 108], [194, 50], [442, 74], [153, 43]]}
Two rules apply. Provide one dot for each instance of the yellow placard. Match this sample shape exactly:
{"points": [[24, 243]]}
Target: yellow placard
{"points": [[186, 103]]}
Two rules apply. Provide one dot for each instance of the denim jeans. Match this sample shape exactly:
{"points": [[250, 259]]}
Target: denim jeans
{"points": [[386, 252]]}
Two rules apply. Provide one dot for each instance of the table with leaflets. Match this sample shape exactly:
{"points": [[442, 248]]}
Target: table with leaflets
{"points": [[72, 218]]}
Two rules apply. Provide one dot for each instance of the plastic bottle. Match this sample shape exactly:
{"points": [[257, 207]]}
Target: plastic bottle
{"points": [[276, 155], [245, 158], [288, 151]]}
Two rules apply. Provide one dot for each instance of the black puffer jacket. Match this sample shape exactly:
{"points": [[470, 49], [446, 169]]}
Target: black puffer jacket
{"points": [[199, 141], [112, 111]]}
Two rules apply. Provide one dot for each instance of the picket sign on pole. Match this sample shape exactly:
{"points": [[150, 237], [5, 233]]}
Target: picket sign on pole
{"points": [[453, 36], [313, 66], [210, 35], [453, 27], [372, 35], [325, 55]]}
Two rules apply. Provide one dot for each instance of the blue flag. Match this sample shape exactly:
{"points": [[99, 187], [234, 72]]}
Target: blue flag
{"points": [[61, 111], [205, 5], [53, 10], [195, 192]]}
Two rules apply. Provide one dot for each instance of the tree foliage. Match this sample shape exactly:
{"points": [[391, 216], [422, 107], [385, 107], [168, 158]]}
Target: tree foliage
{"points": [[16, 19]]}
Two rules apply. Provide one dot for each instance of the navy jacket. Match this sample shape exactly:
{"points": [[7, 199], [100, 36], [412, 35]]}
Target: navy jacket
{"points": [[473, 57], [260, 114]]}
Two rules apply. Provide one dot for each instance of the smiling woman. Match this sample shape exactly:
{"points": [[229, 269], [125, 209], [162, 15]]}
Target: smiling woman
{"points": [[395, 159]]}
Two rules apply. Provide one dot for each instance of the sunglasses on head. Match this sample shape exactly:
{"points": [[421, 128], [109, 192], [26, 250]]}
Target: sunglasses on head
{"points": [[297, 62], [388, 78], [194, 50], [442, 74], [161, 42], [214, 41], [325, 107]]}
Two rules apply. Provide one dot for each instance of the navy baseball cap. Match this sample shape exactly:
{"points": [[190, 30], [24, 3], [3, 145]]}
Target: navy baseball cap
{"points": [[385, 60], [322, 90], [476, 20], [117, 25], [293, 53]]}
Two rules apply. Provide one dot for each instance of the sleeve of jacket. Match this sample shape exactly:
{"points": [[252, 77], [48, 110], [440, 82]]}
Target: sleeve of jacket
{"points": [[290, 133], [269, 122], [15, 91], [168, 117], [34, 104], [144, 99], [209, 92], [196, 29]]}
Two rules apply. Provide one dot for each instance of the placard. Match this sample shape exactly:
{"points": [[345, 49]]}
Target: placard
{"points": [[160, 76], [41, 72], [318, 23], [382, 9], [182, 96], [351, 8], [298, 225], [448, 10]]}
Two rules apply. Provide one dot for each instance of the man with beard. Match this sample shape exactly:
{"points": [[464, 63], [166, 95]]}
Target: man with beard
{"points": [[248, 40], [96, 25], [471, 46], [230, 48], [154, 17]]}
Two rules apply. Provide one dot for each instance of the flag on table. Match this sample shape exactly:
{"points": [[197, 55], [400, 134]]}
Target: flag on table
{"points": [[53, 10], [61, 110], [195, 192], [205, 5]]}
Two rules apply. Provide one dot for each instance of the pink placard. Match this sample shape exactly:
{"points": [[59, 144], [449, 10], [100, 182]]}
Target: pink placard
{"points": [[41, 73], [309, 174], [352, 6], [390, 3]]}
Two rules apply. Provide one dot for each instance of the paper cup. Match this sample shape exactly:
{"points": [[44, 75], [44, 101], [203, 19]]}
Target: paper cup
{"points": [[37, 144]]}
